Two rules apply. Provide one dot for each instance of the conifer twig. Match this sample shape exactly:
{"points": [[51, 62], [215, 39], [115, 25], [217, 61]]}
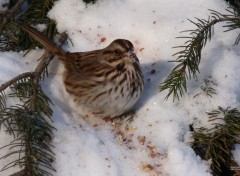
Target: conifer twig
{"points": [[15, 79], [189, 57], [28, 121], [218, 142], [36, 74], [8, 13]]}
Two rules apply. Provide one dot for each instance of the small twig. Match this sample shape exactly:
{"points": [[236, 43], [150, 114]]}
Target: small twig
{"points": [[4, 21], [9, 13], [15, 79], [36, 74], [15, 7], [47, 57]]}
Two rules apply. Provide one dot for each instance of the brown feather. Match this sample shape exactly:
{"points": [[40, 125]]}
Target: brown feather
{"points": [[45, 41]]}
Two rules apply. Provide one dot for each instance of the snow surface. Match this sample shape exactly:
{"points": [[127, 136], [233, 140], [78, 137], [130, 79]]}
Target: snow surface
{"points": [[3, 4], [156, 142]]}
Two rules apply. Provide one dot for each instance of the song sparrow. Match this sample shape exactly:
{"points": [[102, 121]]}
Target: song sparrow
{"points": [[105, 82]]}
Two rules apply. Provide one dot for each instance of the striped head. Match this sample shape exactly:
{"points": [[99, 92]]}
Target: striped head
{"points": [[120, 51]]}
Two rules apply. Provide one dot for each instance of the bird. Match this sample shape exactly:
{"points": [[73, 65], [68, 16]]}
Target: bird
{"points": [[106, 82]]}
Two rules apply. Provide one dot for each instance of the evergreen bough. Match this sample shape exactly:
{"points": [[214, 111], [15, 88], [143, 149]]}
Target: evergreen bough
{"points": [[29, 121], [189, 57], [215, 144]]}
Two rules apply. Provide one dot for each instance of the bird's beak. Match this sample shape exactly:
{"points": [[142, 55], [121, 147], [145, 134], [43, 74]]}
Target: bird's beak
{"points": [[131, 55]]}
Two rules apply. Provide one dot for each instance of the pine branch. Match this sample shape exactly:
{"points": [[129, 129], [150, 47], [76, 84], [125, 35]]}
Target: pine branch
{"points": [[234, 3], [27, 122], [15, 79], [11, 36], [7, 14], [31, 145], [36, 75], [189, 57], [218, 142]]}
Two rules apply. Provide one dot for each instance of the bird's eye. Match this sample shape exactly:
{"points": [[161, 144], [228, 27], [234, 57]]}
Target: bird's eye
{"points": [[117, 52]]}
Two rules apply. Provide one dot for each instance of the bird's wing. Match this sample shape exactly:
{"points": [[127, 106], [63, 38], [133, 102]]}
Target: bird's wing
{"points": [[87, 63]]}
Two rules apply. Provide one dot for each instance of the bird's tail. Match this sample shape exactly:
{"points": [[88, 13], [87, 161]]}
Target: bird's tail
{"points": [[44, 40]]}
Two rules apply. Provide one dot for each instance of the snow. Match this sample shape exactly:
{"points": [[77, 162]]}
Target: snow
{"points": [[156, 142], [3, 4]]}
